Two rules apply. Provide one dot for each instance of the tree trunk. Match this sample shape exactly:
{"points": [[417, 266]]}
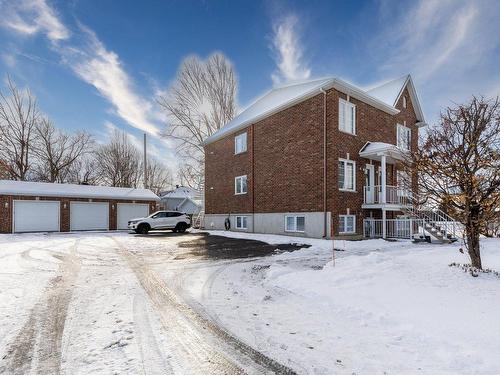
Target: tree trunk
{"points": [[472, 231]]}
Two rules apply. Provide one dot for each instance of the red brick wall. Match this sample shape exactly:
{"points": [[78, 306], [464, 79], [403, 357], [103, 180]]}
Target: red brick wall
{"points": [[6, 219], [288, 159]]}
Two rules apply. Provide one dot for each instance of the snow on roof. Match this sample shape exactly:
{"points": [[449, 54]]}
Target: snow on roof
{"points": [[389, 92], [270, 101], [285, 96], [182, 192], [44, 189]]}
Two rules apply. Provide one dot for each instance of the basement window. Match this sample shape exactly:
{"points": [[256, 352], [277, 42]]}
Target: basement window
{"points": [[240, 185], [241, 222], [347, 224], [295, 223], [240, 143]]}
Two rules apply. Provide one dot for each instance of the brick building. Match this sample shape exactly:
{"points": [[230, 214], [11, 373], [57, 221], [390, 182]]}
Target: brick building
{"points": [[52, 207], [317, 158]]}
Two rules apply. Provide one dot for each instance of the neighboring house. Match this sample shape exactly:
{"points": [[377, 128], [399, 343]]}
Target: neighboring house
{"points": [[320, 158], [52, 207], [183, 199]]}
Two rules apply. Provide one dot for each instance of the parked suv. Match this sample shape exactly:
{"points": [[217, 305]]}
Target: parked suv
{"points": [[176, 221]]}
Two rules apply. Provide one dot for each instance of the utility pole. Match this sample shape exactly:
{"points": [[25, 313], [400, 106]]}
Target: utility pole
{"points": [[145, 165]]}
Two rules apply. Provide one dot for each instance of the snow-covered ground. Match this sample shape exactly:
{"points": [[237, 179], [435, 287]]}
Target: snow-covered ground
{"points": [[381, 307], [105, 303]]}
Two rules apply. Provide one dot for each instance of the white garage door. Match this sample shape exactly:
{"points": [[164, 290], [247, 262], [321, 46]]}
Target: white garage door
{"points": [[36, 216], [127, 211], [89, 216]]}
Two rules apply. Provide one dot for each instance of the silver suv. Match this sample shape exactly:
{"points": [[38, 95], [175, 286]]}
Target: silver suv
{"points": [[160, 220]]}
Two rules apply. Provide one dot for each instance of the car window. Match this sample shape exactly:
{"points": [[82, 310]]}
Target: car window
{"points": [[175, 214], [159, 214]]}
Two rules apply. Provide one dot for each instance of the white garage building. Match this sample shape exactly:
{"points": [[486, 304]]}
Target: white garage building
{"points": [[52, 207]]}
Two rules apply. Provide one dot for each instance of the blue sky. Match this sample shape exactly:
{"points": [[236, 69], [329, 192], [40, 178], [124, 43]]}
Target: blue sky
{"points": [[100, 64]]}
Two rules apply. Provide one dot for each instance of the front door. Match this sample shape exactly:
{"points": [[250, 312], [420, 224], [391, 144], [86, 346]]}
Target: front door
{"points": [[370, 183]]}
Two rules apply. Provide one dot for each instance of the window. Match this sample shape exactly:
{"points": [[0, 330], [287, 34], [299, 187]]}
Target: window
{"points": [[347, 117], [404, 101], [295, 223], [347, 175], [240, 185], [240, 143], [241, 222], [404, 137], [347, 224], [404, 183]]}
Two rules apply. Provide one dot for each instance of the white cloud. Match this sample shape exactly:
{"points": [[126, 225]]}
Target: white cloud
{"points": [[102, 68], [288, 51], [30, 17], [87, 57], [447, 45]]}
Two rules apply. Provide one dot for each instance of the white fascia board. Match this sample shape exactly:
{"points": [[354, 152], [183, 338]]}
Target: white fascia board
{"points": [[414, 99]]}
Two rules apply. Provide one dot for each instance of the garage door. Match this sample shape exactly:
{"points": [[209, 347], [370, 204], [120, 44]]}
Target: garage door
{"points": [[89, 216], [127, 211], [36, 216]]}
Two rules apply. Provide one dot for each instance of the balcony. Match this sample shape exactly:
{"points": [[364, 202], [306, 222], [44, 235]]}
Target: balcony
{"points": [[394, 196]]}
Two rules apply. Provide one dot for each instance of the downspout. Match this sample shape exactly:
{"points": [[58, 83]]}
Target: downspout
{"points": [[324, 164], [253, 178]]}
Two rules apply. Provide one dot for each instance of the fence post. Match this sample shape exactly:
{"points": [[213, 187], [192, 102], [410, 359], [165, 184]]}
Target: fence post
{"points": [[411, 228]]}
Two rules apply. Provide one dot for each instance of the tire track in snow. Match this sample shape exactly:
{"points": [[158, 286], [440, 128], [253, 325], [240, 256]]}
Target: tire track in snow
{"points": [[200, 344], [38, 344]]}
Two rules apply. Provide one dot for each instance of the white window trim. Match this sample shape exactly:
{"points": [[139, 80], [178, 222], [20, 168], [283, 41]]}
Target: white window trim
{"points": [[295, 223], [241, 220], [236, 143], [399, 126], [349, 104], [353, 190], [236, 184], [343, 217]]}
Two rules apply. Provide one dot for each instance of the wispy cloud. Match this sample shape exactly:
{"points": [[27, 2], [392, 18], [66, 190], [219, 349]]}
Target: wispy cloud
{"points": [[30, 17], [448, 46], [88, 58], [101, 68], [288, 51]]}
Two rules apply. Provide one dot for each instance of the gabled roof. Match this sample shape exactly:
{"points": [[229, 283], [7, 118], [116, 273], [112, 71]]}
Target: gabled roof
{"points": [[286, 96], [182, 192], [45, 189], [391, 91], [372, 150]]}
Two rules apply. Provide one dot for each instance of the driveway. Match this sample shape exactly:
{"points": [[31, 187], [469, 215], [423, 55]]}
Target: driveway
{"points": [[114, 303]]}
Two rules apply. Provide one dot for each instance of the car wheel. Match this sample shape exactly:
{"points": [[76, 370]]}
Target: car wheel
{"points": [[143, 229], [181, 227], [174, 230]]}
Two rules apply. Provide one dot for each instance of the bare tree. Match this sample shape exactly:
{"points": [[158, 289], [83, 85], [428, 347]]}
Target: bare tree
{"points": [[119, 162], [159, 176], [18, 118], [84, 171], [200, 102], [56, 151], [459, 167]]}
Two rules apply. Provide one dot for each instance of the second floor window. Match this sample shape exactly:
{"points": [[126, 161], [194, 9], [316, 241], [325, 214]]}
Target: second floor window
{"points": [[403, 137], [347, 117], [347, 175], [240, 143], [240, 185]]}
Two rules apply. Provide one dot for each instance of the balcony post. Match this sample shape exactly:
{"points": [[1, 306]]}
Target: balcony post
{"points": [[384, 223], [383, 181]]}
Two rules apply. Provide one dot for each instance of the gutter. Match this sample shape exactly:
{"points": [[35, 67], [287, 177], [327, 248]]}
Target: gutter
{"points": [[322, 90]]}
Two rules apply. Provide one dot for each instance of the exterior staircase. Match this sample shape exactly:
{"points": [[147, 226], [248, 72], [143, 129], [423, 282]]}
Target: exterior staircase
{"points": [[434, 223], [199, 221]]}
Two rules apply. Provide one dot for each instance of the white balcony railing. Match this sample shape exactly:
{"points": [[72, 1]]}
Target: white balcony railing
{"points": [[393, 195]]}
